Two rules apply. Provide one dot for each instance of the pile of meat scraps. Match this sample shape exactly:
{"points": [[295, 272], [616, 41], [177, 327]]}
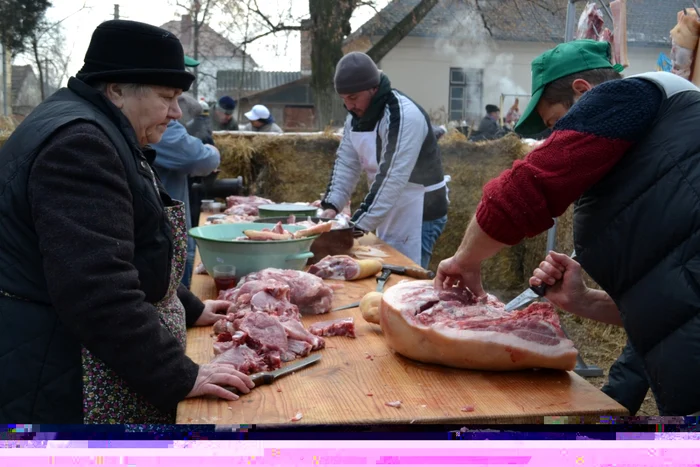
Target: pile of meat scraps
{"points": [[245, 205], [591, 25], [263, 325]]}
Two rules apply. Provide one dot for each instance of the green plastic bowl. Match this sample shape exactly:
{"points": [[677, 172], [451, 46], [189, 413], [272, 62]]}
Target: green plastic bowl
{"points": [[217, 246], [286, 209]]}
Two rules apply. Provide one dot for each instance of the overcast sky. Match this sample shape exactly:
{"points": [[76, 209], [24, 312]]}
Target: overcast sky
{"points": [[272, 54]]}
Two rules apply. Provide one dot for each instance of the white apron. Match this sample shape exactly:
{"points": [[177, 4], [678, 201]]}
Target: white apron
{"points": [[402, 228]]}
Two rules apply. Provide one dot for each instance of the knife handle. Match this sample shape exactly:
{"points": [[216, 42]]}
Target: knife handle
{"points": [[384, 275], [419, 273], [539, 289]]}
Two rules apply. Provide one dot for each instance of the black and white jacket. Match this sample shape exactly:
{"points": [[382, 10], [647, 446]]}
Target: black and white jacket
{"points": [[406, 151]]}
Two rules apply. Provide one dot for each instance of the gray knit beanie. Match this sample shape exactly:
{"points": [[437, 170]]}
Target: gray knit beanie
{"points": [[355, 72]]}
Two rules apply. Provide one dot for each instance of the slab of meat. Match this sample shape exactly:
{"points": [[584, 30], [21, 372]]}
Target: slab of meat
{"points": [[242, 210], [247, 200], [234, 219], [243, 358], [618, 8], [590, 23], [454, 329], [308, 292], [684, 42], [344, 267], [334, 327]]}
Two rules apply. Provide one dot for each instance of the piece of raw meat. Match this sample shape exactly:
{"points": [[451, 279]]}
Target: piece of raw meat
{"points": [[271, 297], [590, 23], [295, 330], [334, 327], [308, 292], [684, 41], [454, 329], [243, 359], [344, 267], [264, 332], [242, 210], [234, 219], [226, 340], [249, 200], [298, 347], [618, 8]]}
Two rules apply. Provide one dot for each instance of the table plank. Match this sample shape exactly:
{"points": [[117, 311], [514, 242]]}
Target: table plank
{"points": [[336, 389]]}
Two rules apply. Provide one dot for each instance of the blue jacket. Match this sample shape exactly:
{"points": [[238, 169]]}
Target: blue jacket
{"points": [[180, 155]]}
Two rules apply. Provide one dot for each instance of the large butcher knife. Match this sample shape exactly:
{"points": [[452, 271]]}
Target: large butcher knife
{"points": [[268, 377]]}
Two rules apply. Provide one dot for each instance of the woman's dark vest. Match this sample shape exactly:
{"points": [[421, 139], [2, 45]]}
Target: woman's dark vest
{"points": [[40, 362], [637, 233]]}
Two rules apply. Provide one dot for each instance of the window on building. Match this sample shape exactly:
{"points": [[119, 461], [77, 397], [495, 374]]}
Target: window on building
{"points": [[466, 92]]}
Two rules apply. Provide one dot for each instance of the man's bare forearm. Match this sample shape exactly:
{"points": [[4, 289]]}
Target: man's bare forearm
{"points": [[597, 306], [477, 245]]}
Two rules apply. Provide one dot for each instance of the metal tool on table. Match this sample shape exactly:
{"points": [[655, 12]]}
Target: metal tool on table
{"points": [[410, 271], [268, 377], [536, 292], [381, 280]]}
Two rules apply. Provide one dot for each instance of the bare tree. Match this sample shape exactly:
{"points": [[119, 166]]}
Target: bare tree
{"points": [[200, 11], [47, 50]]}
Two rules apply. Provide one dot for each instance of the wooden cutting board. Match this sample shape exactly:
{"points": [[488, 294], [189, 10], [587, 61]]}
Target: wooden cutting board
{"points": [[356, 377]]}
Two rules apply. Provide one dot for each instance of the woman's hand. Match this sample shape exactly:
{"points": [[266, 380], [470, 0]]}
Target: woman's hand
{"points": [[211, 378], [214, 310], [564, 280], [329, 214]]}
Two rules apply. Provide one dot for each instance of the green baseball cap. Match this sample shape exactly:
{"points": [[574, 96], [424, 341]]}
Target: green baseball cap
{"points": [[191, 62], [563, 60]]}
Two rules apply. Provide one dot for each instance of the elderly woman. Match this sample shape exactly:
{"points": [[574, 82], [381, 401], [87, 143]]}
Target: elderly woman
{"points": [[92, 248]]}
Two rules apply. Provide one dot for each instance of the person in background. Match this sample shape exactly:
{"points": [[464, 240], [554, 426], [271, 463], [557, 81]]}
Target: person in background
{"points": [[513, 114], [92, 247], [261, 120], [489, 127], [199, 125], [623, 152], [222, 116], [180, 156], [391, 139]]}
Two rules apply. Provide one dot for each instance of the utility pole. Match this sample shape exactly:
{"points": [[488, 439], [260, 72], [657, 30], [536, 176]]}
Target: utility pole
{"points": [[4, 81], [116, 11]]}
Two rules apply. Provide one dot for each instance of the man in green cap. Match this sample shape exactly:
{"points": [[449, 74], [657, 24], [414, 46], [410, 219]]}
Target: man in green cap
{"points": [[624, 152]]}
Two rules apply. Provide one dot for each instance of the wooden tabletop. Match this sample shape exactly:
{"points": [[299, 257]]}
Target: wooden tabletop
{"points": [[355, 377]]}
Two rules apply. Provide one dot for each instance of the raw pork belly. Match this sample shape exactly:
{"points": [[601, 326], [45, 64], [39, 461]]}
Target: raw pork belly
{"points": [[452, 328]]}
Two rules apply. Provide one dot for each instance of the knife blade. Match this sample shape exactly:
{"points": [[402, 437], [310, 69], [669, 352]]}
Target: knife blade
{"points": [[525, 298], [268, 377], [531, 294], [410, 271], [381, 280]]}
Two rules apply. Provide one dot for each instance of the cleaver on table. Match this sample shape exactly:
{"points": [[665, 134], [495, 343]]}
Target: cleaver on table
{"points": [[268, 377]]}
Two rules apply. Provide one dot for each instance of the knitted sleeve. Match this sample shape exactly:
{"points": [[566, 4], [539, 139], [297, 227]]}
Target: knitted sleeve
{"points": [[584, 145]]}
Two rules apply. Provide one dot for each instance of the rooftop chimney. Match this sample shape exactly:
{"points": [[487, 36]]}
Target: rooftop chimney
{"points": [[305, 43]]}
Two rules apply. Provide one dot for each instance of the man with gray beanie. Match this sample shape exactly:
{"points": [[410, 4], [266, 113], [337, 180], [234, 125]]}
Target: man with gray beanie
{"points": [[390, 138]]}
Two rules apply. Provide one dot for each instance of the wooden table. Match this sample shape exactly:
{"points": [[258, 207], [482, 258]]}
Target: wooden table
{"points": [[355, 377]]}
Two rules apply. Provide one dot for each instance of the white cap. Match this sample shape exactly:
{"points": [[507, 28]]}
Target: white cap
{"points": [[258, 112], [203, 103]]}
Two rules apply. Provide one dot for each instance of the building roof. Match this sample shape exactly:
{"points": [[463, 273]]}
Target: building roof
{"points": [[249, 82], [211, 43], [648, 21]]}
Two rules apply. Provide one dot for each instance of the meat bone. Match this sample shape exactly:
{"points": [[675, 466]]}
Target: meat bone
{"points": [[534, 293]]}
